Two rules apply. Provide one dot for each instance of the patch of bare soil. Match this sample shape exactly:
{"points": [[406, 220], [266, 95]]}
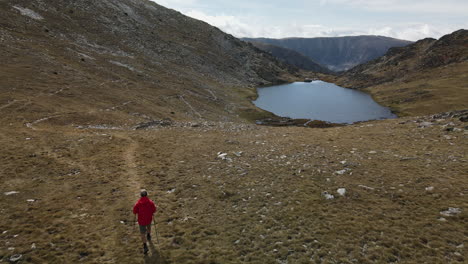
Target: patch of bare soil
{"points": [[233, 192]]}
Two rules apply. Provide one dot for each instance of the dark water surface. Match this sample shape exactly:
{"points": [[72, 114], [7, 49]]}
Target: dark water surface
{"points": [[320, 101]]}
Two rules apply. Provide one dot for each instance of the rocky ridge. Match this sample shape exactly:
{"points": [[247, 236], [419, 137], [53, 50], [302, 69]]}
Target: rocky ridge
{"points": [[400, 62], [292, 57]]}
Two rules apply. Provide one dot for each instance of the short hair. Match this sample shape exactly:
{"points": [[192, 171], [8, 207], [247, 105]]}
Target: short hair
{"points": [[143, 193]]}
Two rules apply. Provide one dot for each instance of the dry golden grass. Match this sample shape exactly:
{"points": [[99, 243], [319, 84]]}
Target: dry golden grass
{"points": [[438, 90], [263, 207]]}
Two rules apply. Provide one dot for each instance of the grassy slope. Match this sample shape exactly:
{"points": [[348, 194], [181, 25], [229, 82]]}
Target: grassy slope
{"points": [[426, 77], [428, 92]]}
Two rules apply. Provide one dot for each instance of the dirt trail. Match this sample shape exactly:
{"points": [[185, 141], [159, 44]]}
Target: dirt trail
{"points": [[133, 180]]}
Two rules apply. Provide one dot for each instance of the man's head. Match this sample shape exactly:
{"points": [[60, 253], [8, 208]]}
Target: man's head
{"points": [[143, 193]]}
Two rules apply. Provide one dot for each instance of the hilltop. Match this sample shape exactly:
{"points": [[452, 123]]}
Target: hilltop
{"points": [[101, 98], [338, 53]]}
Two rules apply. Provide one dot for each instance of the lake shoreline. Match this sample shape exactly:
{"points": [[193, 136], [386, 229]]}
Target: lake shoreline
{"points": [[322, 98]]}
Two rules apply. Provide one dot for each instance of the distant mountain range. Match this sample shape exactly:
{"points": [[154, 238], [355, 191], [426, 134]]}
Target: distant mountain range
{"points": [[337, 53], [292, 57]]}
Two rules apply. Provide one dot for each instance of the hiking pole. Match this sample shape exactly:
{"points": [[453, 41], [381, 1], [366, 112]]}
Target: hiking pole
{"points": [[134, 220], [156, 231]]}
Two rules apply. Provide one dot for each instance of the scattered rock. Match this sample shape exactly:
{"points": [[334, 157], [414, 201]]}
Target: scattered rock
{"points": [[164, 122], [452, 211], [366, 187], [328, 196], [425, 124], [11, 193], [408, 158], [343, 171], [341, 191], [223, 156], [28, 12], [15, 258]]}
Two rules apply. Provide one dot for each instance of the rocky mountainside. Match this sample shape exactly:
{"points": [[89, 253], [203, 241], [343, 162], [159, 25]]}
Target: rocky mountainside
{"points": [[428, 76], [338, 53], [87, 59], [292, 57], [423, 55]]}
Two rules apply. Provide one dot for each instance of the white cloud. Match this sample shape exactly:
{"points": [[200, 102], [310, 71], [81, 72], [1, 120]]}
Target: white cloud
{"points": [[171, 3], [451, 7], [251, 27]]}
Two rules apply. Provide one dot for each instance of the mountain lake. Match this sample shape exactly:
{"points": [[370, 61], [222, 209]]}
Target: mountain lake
{"points": [[320, 100]]}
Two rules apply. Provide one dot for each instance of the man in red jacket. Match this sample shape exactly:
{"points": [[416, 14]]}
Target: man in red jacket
{"points": [[144, 208]]}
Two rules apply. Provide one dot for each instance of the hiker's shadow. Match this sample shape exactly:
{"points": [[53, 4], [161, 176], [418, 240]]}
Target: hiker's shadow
{"points": [[155, 255]]}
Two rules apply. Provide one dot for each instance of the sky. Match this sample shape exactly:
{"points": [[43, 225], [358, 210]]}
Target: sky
{"points": [[403, 19]]}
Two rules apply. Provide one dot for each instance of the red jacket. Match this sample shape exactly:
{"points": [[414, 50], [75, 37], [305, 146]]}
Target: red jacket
{"points": [[145, 209]]}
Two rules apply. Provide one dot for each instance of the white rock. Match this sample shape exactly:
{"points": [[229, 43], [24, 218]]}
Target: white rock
{"points": [[425, 124], [328, 196], [366, 187], [430, 188], [30, 200], [222, 155], [372, 152], [452, 211], [341, 191], [239, 153], [171, 190], [33, 246], [15, 258], [341, 172], [343, 162], [441, 219], [28, 12], [11, 193]]}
